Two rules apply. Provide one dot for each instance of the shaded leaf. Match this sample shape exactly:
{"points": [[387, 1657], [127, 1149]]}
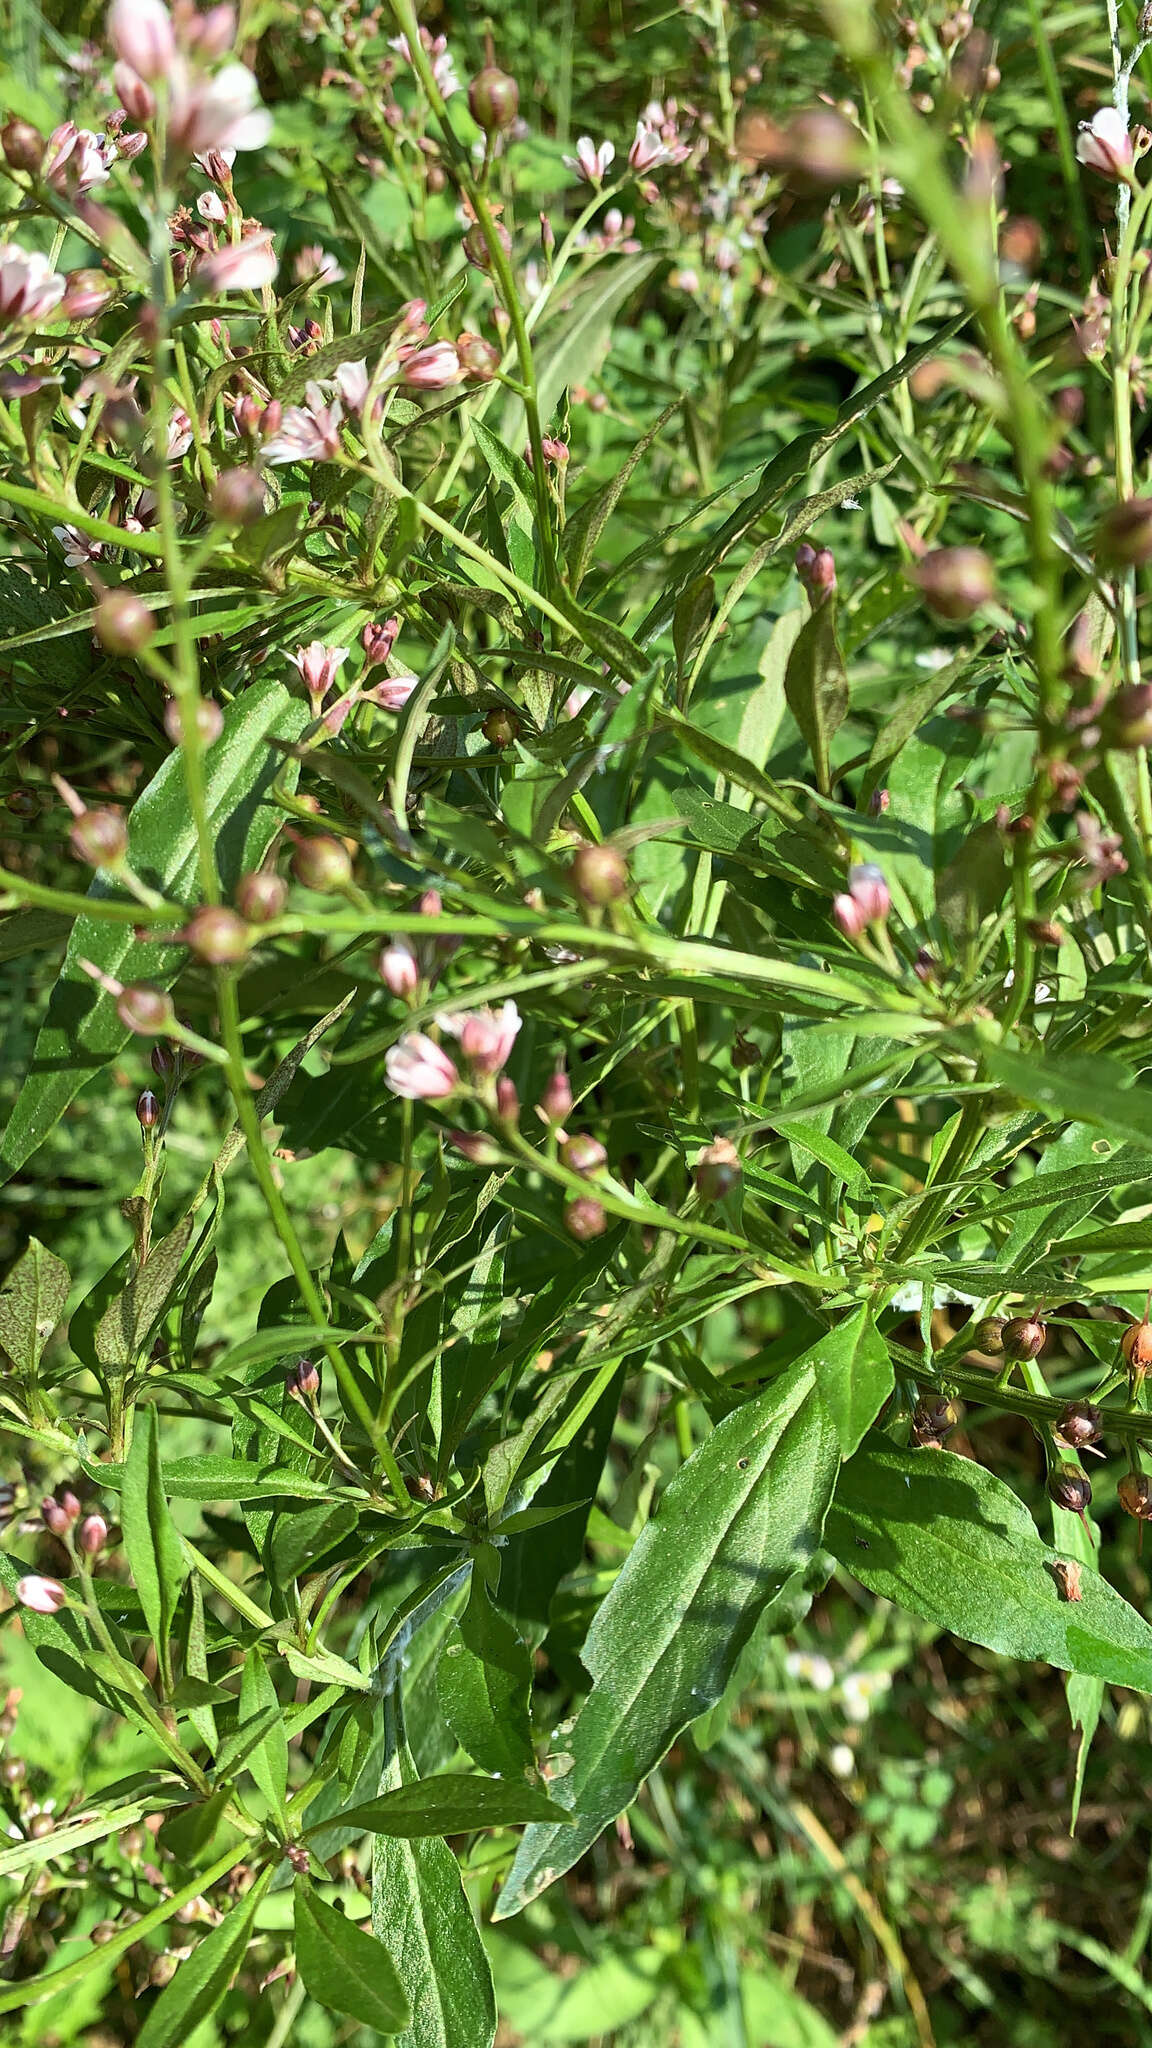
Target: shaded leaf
{"points": [[346, 1969], [32, 1302]]}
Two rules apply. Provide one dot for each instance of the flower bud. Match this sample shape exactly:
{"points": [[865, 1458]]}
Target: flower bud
{"points": [[507, 1101], [261, 896], [218, 935], [238, 497], [718, 1170], [585, 1218], [556, 1101], [1134, 1493], [42, 1596], [1045, 931], [22, 803], [493, 99], [1126, 720], [1070, 1488], [599, 874], [136, 96], [322, 864], [849, 915], [141, 33], [100, 837], [88, 292], [869, 891], [146, 1011], [1023, 1337], [23, 146], [1124, 535], [479, 359], [955, 582], [123, 623], [92, 1534], [399, 969], [1078, 1424], [501, 727], [988, 1336], [162, 1062], [55, 1518], [816, 568], [378, 638], [583, 1154], [303, 1379], [209, 720], [147, 1109], [933, 1418], [476, 1146]]}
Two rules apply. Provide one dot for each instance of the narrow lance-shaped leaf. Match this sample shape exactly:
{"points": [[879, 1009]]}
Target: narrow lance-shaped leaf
{"points": [[268, 1760], [735, 1529], [125, 1328], [155, 1555], [855, 1377], [201, 1982], [816, 686], [484, 1682], [346, 1969], [943, 1537], [31, 1304], [449, 1804]]}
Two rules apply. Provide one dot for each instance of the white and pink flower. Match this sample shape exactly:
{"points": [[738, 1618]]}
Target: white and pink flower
{"points": [[222, 112], [29, 287], [319, 665], [590, 162], [418, 1070], [1105, 145], [486, 1036], [245, 266], [141, 33], [42, 1596], [306, 433]]}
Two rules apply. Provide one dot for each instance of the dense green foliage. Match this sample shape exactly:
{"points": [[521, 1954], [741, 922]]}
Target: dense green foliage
{"points": [[576, 913]]}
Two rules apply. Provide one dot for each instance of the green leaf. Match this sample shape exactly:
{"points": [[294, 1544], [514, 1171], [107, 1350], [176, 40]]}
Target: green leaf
{"points": [[268, 1759], [570, 347], [735, 1528], [82, 1032], [507, 467], [155, 1554], [1096, 1090], [816, 686], [452, 1804], [346, 1969], [32, 1302], [584, 526], [126, 1328], [201, 1982], [839, 1163], [855, 1376], [483, 1683], [945, 1538], [422, 1916]]}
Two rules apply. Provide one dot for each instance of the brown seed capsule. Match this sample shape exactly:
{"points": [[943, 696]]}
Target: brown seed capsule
{"points": [[1126, 720], [585, 1218], [1134, 1493], [1078, 1424], [123, 623], [147, 1110], [322, 864], [23, 146], [1024, 1337], [599, 874], [260, 897], [583, 1154], [988, 1336], [238, 497], [501, 727], [218, 935], [933, 1417], [718, 1170], [1136, 1348], [147, 1011], [955, 582], [1070, 1488], [493, 99], [162, 1061]]}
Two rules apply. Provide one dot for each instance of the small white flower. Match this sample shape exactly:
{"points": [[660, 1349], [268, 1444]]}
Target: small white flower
{"points": [[1105, 145], [591, 163]]}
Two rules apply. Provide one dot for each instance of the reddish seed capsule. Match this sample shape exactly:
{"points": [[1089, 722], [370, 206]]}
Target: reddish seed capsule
{"points": [[147, 1011], [599, 874], [988, 1336], [322, 864], [933, 1417], [1070, 1488], [1079, 1424], [493, 99], [123, 623], [218, 935], [1024, 1337], [162, 1061], [238, 497], [22, 145], [23, 803], [100, 837], [260, 897], [585, 1219], [955, 582], [209, 721], [147, 1110], [1136, 1348]]}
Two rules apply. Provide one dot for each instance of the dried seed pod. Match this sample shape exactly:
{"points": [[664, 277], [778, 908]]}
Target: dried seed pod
{"points": [[933, 1417], [1078, 1424], [1134, 1493], [1070, 1488], [1136, 1347], [1024, 1337], [147, 1109], [988, 1336], [1066, 1572]]}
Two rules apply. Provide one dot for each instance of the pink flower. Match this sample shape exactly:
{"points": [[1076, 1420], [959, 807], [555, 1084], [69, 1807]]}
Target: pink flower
{"points": [[869, 891], [29, 287], [849, 916], [137, 99], [443, 67], [418, 1070], [486, 1036], [1105, 145], [241, 266], [43, 1596], [307, 433], [212, 33], [351, 381], [431, 369], [210, 206], [649, 151], [314, 265], [76, 159], [179, 435], [319, 665], [222, 112], [378, 638], [590, 163], [140, 32], [79, 551], [393, 693], [399, 968]]}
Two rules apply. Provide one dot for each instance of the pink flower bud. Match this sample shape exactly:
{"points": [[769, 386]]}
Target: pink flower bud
{"points": [[140, 32], [585, 1218], [136, 96], [212, 33], [123, 623], [431, 369], [955, 581], [869, 891], [718, 1169], [816, 568], [493, 99], [476, 1146], [146, 1011], [583, 1154], [147, 1109], [93, 1534], [244, 266], [486, 1036], [43, 1596], [507, 1101], [261, 896], [398, 969], [100, 837], [849, 916], [378, 639], [56, 1518], [303, 1379], [418, 1070], [87, 292], [217, 935], [556, 1101], [323, 864]]}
